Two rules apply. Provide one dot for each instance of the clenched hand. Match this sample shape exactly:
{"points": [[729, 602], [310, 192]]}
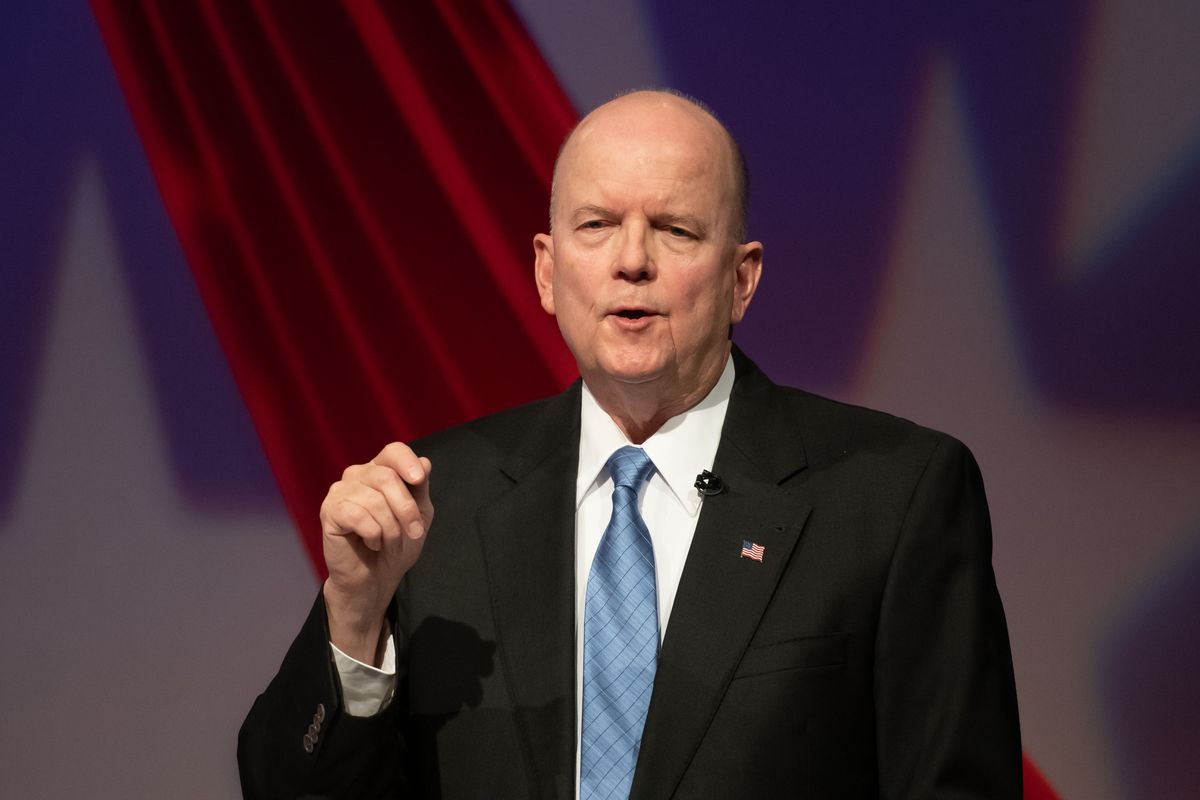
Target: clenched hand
{"points": [[373, 525]]}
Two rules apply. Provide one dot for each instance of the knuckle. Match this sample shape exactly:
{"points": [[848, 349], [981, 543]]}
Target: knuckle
{"points": [[389, 479], [378, 505], [395, 450], [356, 515], [384, 476]]}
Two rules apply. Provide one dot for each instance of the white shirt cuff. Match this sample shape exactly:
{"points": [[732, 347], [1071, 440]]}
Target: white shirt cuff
{"points": [[366, 690]]}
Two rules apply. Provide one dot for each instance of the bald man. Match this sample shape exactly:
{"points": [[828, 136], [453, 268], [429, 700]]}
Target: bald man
{"points": [[810, 604]]}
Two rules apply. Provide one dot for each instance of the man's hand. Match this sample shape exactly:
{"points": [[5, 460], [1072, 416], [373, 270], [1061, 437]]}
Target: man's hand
{"points": [[373, 525]]}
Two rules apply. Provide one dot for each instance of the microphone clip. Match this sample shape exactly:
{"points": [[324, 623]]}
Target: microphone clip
{"points": [[709, 484]]}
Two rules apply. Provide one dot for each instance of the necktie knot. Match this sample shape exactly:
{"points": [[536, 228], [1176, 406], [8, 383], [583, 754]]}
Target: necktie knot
{"points": [[630, 467]]}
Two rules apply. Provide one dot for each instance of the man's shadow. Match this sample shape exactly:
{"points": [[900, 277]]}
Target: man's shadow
{"points": [[447, 663], [451, 681]]}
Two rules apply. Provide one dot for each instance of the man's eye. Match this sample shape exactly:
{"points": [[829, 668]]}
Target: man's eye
{"points": [[675, 230], [592, 225]]}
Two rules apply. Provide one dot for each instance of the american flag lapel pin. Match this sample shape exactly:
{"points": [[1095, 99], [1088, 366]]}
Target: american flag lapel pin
{"points": [[752, 550]]}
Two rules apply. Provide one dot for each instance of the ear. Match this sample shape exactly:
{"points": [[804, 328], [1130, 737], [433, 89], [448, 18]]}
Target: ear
{"points": [[543, 269], [748, 271]]}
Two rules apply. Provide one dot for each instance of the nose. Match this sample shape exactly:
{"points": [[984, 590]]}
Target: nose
{"points": [[634, 261]]}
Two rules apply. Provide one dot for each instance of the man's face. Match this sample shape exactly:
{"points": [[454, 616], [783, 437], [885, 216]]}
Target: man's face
{"points": [[642, 270]]}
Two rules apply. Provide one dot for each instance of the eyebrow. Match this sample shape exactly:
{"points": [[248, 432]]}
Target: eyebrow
{"points": [[593, 211], [695, 224], [684, 220]]}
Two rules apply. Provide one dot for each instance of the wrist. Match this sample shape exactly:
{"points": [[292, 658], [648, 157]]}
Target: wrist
{"points": [[355, 628]]}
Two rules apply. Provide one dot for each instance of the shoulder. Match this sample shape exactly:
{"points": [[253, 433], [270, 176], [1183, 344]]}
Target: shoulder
{"points": [[876, 474], [832, 432], [885, 452], [830, 426], [506, 435]]}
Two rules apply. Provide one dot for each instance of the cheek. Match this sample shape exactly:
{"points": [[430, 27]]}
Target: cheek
{"points": [[571, 296], [705, 297], [572, 277], [705, 314], [573, 301]]}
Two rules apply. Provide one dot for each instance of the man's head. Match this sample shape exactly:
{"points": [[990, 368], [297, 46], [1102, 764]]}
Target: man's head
{"points": [[644, 266]]}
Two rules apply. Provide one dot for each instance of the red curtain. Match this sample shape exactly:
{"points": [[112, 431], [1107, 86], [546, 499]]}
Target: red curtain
{"points": [[355, 188], [1036, 785]]}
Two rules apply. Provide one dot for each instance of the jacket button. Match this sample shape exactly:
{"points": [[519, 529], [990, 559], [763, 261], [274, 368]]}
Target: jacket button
{"points": [[308, 743], [320, 715]]}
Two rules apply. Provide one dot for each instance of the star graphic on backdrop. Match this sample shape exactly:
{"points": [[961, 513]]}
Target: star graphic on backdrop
{"points": [[137, 627], [1086, 508]]}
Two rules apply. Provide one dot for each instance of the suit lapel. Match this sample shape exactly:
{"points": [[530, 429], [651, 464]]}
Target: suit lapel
{"points": [[722, 595], [529, 550]]}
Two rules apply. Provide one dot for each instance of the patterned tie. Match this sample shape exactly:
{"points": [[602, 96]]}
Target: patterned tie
{"points": [[620, 644]]}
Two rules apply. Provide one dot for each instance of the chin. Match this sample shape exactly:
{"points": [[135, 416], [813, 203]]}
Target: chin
{"points": [[633, 368]]}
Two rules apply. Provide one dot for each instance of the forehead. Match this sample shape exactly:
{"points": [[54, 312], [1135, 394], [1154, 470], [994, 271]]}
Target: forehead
{"points": [[656, 150]]}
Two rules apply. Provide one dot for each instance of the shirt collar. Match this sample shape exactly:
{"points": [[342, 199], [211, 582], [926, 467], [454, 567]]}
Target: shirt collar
{"points": [[680, 449]]}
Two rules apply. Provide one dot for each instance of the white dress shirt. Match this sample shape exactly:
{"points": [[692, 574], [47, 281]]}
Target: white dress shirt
{"points": [[669, 503]]}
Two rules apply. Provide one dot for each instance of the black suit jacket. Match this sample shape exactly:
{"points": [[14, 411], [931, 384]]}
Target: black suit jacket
{"points": [[865, 656]]}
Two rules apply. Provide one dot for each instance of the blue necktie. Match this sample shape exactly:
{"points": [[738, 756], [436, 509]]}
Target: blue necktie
{"points": [[620, 637]]}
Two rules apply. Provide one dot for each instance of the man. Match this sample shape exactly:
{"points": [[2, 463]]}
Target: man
{"points": [[818, 618]]}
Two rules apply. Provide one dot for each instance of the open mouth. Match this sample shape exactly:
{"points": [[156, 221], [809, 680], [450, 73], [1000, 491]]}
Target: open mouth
{"points": [[632, 314]]}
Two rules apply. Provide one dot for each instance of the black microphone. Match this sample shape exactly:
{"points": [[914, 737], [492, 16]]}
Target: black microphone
{"points": [[709, 484]]}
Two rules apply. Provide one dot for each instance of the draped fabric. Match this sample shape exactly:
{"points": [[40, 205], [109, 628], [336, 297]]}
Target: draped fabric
{"points": [[355, 187], [1036, 786]]}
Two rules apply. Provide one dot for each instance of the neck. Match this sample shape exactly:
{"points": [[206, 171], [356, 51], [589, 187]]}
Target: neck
{"points": [[641, 409]]}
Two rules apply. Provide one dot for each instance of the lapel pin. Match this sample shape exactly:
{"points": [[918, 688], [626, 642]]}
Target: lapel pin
{"points": [[752, 550]]}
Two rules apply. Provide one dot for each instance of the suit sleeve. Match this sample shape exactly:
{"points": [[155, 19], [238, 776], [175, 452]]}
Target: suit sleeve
{"points": [[945, 695], [298, 742]]}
